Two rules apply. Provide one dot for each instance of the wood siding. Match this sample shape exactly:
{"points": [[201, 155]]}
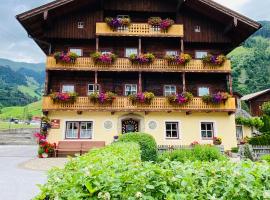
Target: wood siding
{"points": [[256, 103]]}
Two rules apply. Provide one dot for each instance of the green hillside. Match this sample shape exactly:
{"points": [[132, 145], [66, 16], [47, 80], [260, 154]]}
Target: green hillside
{"points": [[21, 112]]}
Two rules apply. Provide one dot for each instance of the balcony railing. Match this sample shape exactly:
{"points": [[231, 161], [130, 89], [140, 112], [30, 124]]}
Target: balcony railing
{"points": [[123, 104], [123, 64], [139, 29]]}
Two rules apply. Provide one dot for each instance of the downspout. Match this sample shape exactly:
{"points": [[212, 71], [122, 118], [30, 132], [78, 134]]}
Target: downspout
{"points": [[42, 42]]}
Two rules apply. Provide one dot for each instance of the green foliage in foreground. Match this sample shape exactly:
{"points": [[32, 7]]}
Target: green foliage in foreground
{"points": [[147, 144], [260, 140], [266, 158], [198, 153], [116, 172]]}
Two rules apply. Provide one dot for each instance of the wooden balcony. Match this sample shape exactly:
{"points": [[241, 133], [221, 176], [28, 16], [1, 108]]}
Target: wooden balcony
{"points": [[123, 64], [123, 104], [139, 30]]}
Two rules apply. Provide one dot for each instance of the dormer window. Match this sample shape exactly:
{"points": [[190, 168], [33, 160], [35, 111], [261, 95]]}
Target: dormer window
{"points": [[197, 29], [80, 25]]}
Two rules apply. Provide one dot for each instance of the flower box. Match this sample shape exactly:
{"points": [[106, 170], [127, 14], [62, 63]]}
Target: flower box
{"points": [[217, 141], [181, 59], [65, 57], [157, 24], [66, 97], [102, 98], [107, 58], [218, 98], [215, 60], [180, 99], [147, 58], [143, 98], [119, 24]]}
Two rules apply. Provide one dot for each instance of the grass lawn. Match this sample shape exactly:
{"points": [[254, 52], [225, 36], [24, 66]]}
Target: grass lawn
{"points": [[7, 125], [33, 109]]}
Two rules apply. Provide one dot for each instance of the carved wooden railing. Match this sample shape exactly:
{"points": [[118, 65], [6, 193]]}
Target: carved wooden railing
{"points": [[123, 64], [124, 104], [139, 29]]}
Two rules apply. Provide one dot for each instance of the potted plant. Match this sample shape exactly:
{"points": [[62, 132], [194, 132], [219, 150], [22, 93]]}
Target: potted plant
{"points": [[234, 151], [102, 98], [62, 57], [118, 23], [147, 58], [64, 97], [217, 141], [181, 59], [218, 98], [180, 99], [166, 24], [215, 60], [107, 58], [145, 97], [155, 22]]}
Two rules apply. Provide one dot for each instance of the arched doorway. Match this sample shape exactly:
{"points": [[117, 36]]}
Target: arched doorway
{"points": [[130, 125]]}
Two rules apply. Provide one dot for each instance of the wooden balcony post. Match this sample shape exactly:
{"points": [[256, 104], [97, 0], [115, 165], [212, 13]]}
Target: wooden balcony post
{"points": [[96, 81], [97, 44], [140, 82], [46, 84], [140, 46], [184, 81], [182, 45], [230, 84]]}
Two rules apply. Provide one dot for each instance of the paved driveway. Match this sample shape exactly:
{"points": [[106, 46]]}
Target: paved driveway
{"points": [[17, 183]]}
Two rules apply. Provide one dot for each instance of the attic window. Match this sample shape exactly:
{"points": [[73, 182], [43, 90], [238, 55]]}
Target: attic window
{"points": [[197, 29], [80, 25]]}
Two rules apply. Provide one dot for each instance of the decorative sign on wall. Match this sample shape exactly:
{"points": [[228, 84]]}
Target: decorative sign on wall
{"points": [[108, 125], [130, 125], [152, 125], [55, 123]]}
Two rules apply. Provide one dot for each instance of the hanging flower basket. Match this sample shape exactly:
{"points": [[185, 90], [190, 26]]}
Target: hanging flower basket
{"points": [[118, 23], [218, 98], [102, 98], [66, 97], [107, 58], [215, 60], [180, 99], [143, 98], [182, 59], [166, 24], [65, 57], [147, 58], [158, 24]]}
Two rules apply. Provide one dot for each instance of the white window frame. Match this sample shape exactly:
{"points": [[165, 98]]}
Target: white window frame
{"points": [[80, 25], [197, 29], [135, 91], [203, 87], [131, 49], [79, 130], [178, 130], [171, 53], [67, 85], [103, 52], [78, 51], [90, 130], [66, 130], [242, 132], [170, 92], [93, 91], [213, 131], [199, 54]]}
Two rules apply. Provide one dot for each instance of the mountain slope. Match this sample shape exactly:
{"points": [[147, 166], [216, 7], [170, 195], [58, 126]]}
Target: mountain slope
{"points": [[37, 67]]}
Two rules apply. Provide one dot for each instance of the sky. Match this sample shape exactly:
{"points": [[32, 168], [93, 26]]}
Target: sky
{"points": [[15, 45]]}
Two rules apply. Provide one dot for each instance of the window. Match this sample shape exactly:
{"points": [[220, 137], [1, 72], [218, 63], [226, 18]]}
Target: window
{"points": [[239, 133], [130, 89], [80, 25], [68, 88], [91, 88], [172, 130], [78, 51], [130, 51], [171, 53], [169, 90], [207, 130], [197, 29], [200, 54], [79, 130], [203, 91], [106, 52]]}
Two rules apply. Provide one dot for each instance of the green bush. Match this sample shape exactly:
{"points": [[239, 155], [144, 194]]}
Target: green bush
{"points": [[266, 127], [147, 143], [235, 149], [260, 140], [266, 158], [266, 108], [116, 172], [198, 153]]}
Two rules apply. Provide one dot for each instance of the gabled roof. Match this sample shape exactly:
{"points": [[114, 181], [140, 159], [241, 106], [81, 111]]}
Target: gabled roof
{"points": [[254, 95]]}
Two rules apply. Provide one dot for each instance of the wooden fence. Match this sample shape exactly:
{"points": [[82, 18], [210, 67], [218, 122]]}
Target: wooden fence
{"points": [[170, 148], [261, 150]]}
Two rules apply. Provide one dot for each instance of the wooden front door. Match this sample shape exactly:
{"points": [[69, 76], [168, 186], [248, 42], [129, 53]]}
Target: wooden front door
{"points": [[129, 126]]}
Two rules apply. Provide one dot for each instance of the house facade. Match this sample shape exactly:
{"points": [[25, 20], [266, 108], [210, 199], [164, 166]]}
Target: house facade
{"points": [[201, 29]]}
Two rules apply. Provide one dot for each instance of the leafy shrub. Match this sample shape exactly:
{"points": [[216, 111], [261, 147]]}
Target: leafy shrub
{"points": [[116, 172], [235, 149], [198, 153], [147, 143], [260, 140], [266, 158], [266, 127], [250, 122], [266, 108]]}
